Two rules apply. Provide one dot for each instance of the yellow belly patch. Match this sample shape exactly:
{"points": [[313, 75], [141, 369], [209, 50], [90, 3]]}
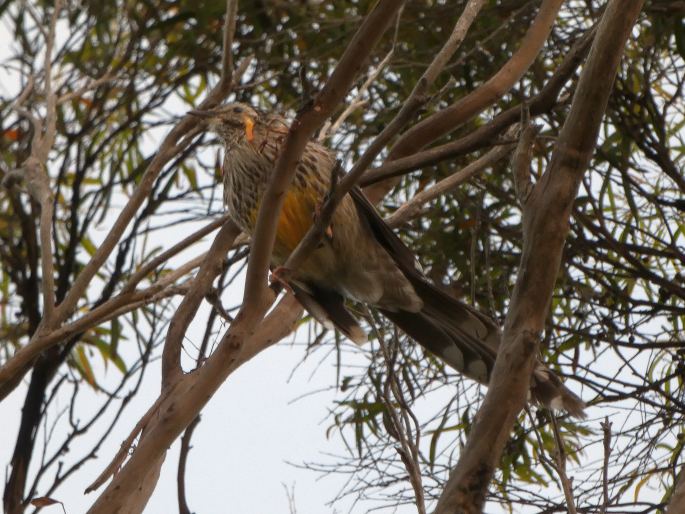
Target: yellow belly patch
{"points": [[297, 216]]}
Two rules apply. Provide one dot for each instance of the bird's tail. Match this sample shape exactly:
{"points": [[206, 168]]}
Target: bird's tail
{"points": [[464, 338], [468, 341]]}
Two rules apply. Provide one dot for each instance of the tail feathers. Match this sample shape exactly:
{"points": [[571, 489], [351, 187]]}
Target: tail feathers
{"points": [[548, 389], [328, 308], [467, 340], [464, 338], [446, 340]]}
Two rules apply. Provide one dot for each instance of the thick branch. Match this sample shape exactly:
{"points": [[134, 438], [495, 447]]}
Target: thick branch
{"points": [[447, 120], [545, 225], [301, 131], [189, 395], [114, 307], [210, 269], [483, 136]]}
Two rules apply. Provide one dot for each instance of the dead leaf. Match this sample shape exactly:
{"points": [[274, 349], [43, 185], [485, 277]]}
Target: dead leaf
{"points": [[44, 501]]}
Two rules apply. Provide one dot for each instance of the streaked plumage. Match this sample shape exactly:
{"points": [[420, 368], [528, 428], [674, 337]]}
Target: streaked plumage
{"points": [[363, 260]]}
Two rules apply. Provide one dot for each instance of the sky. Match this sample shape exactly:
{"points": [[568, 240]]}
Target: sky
{"points": [[257, 424], [240, 451]]}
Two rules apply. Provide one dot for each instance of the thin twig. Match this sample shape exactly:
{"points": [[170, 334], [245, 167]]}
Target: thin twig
{"points": [[126, 446], [182, 460], [89, 86], [408, 449], [227, 56], [329, 129], [606, 430], [174, 250], [560, 458], [413, 207]]}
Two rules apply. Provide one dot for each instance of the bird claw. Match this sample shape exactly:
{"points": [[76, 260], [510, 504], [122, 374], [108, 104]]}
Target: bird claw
{"points": [[279, 276]]}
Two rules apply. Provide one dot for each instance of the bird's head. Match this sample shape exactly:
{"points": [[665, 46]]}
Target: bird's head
{"points": [[231, 122]]}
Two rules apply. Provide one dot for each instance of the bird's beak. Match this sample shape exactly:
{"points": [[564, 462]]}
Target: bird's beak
{"points": [[201, 114]]}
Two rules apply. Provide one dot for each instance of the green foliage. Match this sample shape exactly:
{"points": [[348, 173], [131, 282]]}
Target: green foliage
{"points": [[617, 316]]}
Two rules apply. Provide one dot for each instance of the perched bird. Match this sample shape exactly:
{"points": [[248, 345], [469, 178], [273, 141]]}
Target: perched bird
{"points": [[360, 259]]}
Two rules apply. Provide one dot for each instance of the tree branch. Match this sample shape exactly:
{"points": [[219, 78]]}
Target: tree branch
{"points": [[307, 121], [483, 136], [186, 398], [210, 269], [545, 225], [413, 207], [447, 120]]}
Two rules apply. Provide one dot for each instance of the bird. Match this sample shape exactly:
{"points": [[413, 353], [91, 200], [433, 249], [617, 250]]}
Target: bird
{"points": [[360, 258]]}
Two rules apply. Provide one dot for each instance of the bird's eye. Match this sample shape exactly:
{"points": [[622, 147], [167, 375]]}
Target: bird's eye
{"points": [[237, 110]]}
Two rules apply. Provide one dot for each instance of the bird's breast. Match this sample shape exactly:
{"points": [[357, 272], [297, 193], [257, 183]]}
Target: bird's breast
{"points": [[295, 219], [246, 174]]}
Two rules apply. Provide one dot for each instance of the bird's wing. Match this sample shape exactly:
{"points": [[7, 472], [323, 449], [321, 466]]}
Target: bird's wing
{"points": [[474, 333], [464, 338]]}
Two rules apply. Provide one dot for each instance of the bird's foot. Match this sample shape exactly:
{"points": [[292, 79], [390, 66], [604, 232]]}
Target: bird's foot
{"points": [[279, 277]]}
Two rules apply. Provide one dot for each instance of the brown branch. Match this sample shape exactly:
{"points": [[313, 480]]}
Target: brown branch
{"points": [[417, 97], [545, 225], [39, 186], [202, 283], [449, 119], [36, 171], [306, 123], [169, 148], [120, 304], [483, 136], [189, 395], [413, 207]]}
